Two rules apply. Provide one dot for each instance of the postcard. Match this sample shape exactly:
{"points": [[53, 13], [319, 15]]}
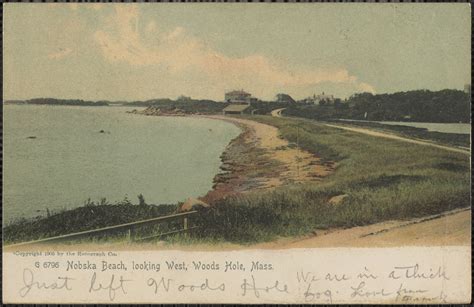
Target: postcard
{"points": [[247, 153]]}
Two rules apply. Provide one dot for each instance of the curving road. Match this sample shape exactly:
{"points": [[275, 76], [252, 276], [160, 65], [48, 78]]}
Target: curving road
{"points": [[277, 112]]}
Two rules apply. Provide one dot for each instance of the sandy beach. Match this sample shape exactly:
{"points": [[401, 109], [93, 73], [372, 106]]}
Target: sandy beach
{"points": [[259, 159]]}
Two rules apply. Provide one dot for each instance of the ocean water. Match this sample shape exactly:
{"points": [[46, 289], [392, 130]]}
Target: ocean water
{"points": [[55, 157]]}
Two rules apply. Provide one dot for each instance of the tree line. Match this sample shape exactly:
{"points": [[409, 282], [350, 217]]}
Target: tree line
{"points": [[445, 106]]}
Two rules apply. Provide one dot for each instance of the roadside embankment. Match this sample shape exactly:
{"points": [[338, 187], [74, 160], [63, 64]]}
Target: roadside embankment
{"points": [[377, 180]]}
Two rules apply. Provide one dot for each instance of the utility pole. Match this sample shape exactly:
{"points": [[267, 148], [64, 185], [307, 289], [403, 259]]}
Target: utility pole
{"points": [[298, 151]]}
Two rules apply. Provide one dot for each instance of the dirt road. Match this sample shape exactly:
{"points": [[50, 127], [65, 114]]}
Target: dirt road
{"points": [[450, 228], [277, 113], [398, 138]]}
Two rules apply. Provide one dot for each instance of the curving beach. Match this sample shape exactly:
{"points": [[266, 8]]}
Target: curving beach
{"points": [[259, 159]]}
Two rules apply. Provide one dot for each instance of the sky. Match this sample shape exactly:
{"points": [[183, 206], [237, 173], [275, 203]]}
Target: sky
{"points": [[145, 51]]}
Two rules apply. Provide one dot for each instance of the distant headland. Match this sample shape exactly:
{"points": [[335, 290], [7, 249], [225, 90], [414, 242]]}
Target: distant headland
{"points": [[61, 102]]}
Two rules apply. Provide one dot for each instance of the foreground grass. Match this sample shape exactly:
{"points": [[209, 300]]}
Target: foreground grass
{"points": [[383, 180], [89, 217]]}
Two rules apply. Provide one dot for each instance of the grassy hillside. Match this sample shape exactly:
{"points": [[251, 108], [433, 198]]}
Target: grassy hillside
{"points": [[92, 215], [383, 179]]}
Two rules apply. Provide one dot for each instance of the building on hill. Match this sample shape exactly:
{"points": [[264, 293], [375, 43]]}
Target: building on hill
{"points": [[235, 109], [239, 97], [284, 98], [321, 99], [467, 89]]}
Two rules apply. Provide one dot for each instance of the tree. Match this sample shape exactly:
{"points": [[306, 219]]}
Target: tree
{"points": [[141, 200]]}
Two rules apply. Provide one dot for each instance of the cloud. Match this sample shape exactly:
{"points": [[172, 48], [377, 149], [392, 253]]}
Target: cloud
{"points": [[176, 33], [75, 6], [151, 27], [95, 6], [60, 53], [364, 87], [180, 53]]}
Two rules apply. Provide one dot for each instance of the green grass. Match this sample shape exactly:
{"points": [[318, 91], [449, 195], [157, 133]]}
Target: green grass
{"points": [[92, 215], [384, 179]]}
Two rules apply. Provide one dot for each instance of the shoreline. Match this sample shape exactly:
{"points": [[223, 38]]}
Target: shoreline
{"points": [[260, 160]]}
